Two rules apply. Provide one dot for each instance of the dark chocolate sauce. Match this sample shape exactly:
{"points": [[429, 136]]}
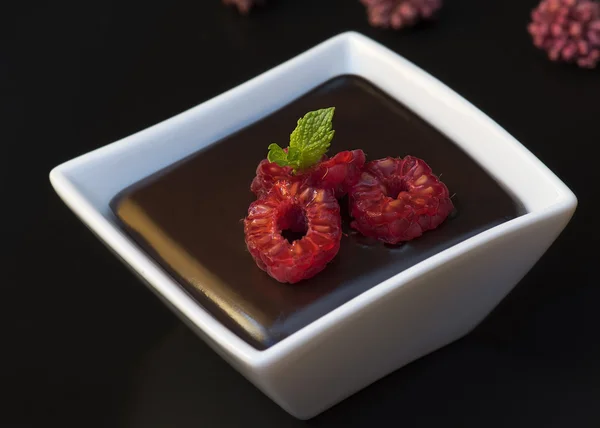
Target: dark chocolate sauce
{"points": [[188, 217]]}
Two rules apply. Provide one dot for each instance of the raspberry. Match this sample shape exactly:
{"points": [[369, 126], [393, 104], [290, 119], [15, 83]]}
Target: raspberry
{"points": [[568, 30], [398, 14], [398, 199], [288, 206], [339, 173], [269, 173]]}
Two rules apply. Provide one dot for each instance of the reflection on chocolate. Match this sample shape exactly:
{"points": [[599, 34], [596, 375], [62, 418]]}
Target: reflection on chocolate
{"points": [[188, 216]]}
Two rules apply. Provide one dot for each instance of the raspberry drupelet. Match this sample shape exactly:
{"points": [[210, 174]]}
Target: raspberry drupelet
{"points": [[297, 208], [397, 200], [338, 173]]}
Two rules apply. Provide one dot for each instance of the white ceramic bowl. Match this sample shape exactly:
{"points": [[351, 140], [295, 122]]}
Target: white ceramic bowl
{"points": [[405, 317]]}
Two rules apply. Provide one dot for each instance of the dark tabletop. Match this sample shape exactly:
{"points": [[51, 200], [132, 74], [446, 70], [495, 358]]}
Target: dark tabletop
{"points": [[85, 344]]}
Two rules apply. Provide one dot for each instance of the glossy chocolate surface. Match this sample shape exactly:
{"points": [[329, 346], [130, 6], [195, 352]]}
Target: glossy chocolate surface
{"points": [[188, 216]]}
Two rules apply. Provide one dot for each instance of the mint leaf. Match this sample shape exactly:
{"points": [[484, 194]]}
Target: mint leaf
{"points": [[277, 155], [312, 137], [308, 143], [293, 156]]}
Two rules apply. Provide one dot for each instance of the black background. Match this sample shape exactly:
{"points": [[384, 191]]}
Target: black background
{"points": [[85, 344]]}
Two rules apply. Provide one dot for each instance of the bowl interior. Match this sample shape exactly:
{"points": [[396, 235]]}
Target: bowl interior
{"points": [[188, 216]]}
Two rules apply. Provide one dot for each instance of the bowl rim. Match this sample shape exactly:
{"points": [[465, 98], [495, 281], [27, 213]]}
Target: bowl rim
{"points": [[355, 46]]}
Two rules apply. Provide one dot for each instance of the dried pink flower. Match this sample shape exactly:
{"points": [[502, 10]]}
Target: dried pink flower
{"points": [[243, 6], [568, 30], [399, 14]]}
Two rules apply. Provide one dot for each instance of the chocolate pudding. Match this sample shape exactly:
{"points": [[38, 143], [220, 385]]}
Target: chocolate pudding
{"points": [[188, 216]]}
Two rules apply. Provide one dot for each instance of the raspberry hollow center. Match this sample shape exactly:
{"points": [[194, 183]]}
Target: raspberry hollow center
{"points": [[394, 187], [292, 222]]}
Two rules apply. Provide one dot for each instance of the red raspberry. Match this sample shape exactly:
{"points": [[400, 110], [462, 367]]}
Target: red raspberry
{"points": [[568, 30], [339, 173], [398, 199], [269, 173], [399, 14], [290, 206]]}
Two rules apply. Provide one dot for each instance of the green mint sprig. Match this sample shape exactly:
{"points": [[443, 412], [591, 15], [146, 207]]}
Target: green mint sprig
{"points": [[308, 143]]}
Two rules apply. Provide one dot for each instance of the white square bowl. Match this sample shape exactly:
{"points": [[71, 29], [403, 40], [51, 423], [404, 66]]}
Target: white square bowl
{"points": [[409, 315]]}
